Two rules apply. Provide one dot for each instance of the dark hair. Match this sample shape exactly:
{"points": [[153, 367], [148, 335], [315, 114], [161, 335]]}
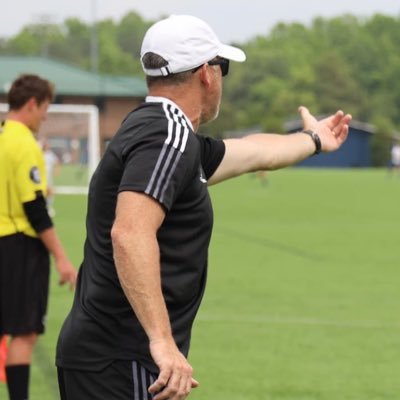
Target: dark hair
{"points": [[155, 61], [27, 86]]}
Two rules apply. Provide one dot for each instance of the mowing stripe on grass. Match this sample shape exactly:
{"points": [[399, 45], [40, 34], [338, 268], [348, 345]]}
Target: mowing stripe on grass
{"points": [[264, 242], [265, 319]]}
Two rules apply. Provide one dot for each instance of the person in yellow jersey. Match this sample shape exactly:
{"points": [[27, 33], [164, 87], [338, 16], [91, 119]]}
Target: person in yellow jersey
{"points": [[27, 235]]}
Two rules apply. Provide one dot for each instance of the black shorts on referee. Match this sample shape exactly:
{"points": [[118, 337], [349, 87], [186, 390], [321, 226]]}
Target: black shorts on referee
{"points": [[121, 380], [24, 284]]}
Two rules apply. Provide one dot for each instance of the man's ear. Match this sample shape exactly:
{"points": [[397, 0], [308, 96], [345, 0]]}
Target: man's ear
{"points": [[31, 103], [205, 76]]}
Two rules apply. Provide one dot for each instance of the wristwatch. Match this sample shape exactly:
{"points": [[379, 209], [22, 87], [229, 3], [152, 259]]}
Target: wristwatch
{"points": [[317, 141]]}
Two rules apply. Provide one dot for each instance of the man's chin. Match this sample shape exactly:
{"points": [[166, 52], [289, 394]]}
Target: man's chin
{"points": [[210, 119]]}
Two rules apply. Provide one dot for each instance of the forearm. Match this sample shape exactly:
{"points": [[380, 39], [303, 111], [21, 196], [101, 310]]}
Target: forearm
{"points": [[137, 262], [274, 151], [53, 244], [262, 151]]}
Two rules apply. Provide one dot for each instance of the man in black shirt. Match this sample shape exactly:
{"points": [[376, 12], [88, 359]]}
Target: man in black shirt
{"points": [[150, 218]]}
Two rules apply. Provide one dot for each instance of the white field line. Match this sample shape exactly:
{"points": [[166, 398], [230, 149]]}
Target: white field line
{"points": [[71, 189], [299, 321]]}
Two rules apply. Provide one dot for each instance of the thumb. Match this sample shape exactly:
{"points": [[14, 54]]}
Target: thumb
{"points": [[304, 112], [308, 119]]}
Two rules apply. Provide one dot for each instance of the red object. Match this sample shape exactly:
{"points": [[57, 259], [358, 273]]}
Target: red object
{"points": [[3, 356]]}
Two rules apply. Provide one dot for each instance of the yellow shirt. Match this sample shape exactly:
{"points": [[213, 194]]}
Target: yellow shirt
{"points": [[22, 176]]}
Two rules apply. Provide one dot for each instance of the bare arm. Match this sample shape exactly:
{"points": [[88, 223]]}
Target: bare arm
{"points": [[137, 260], [64, 267], [271, 151]]}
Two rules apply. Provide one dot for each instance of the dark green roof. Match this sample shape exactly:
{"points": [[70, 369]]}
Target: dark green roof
{"points": [[69, 80]]}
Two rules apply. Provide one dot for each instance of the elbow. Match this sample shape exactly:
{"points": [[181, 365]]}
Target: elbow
{"points": [[121, 245], [124, 236], [117, 236]]}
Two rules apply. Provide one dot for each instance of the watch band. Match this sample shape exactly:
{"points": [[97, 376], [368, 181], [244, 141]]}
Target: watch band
{"points": [[317, 141]]}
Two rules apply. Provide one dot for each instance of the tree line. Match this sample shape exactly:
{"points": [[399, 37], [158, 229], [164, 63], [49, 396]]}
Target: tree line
{"points": [[343, 62]]}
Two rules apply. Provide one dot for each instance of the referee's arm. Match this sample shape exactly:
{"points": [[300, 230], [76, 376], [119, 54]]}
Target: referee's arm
{"points": [[38, 217]]}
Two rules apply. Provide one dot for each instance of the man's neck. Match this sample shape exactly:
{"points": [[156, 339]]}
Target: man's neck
{"points": [[184, 98], [20, 117], [17, 116]]}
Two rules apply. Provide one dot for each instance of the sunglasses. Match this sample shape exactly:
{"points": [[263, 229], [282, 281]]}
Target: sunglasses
{"points": [[222, 62]]}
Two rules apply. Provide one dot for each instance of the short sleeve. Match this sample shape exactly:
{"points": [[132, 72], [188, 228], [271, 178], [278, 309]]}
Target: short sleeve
{"points": [[29, 173], [212, 152], [159, 164]]}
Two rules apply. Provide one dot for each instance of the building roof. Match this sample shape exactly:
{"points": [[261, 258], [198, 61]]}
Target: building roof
{"points": [[69, 80]]}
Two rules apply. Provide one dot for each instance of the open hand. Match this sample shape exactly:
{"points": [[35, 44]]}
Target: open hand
{"points": [[332, 130]]}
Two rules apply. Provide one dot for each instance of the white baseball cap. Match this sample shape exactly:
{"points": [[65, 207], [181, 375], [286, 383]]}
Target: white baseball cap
{"points": [[185, 42]]}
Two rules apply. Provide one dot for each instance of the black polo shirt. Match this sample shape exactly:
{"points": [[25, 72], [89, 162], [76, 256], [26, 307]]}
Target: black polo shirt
{"points": [[156, 152]]}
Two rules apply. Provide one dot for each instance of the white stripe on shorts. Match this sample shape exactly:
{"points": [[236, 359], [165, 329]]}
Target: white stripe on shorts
{"points": [[142, 379]]}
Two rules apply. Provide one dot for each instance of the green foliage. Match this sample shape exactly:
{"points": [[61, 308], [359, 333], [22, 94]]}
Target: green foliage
{"points": [[343, 62], [335, 87], [381, 141], [36, 39]]}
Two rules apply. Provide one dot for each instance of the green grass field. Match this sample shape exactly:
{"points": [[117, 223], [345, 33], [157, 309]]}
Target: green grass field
{"points": [[302, 300]]}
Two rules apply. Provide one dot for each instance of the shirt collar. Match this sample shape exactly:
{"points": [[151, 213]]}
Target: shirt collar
{"points": [[21, 127], [160, 99]]}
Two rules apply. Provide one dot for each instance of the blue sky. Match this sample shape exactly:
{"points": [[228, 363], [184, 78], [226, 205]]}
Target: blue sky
{"points": [[232, 20]]}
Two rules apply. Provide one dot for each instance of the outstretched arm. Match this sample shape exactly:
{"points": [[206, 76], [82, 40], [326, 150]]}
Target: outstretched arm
{"points": [[272, 151]]}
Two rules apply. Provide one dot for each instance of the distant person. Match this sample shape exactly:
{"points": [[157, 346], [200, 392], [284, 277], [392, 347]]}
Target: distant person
{"points": [[27, 235], [150, 219], [395, 159], [52, 169]]}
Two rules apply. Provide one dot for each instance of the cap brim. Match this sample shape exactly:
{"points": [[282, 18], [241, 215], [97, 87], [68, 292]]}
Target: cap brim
{"points": [[232, 53]]}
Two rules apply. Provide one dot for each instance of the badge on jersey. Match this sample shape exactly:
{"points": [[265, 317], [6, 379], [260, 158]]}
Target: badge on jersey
{"points": [[34, 174]]}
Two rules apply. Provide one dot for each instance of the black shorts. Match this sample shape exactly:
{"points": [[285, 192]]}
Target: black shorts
{"points": [[24, 284], [121, 380]]}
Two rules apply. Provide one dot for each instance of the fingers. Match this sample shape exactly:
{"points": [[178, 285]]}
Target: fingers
{"points": [[172, 386], [194, 383], [342, 134], [72, 283], [335, 122], [160, 382], [177, 388], [342, 126], [69, 277], [335, 119]]}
